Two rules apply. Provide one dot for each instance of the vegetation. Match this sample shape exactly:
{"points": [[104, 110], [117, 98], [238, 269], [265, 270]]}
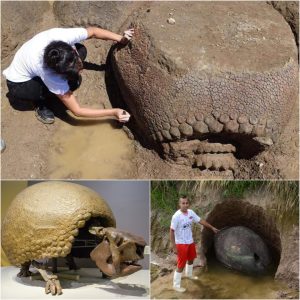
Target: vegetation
{"points": [[285, 207]]}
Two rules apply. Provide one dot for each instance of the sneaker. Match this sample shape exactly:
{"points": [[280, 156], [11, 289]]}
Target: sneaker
{"points": [[44, 114], [179, 289]]}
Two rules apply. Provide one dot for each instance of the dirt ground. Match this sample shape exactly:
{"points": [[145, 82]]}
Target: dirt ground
{"points": [[31, 145]]}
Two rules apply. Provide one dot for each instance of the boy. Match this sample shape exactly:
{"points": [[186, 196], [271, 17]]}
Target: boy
{"points": [[182, 240]]}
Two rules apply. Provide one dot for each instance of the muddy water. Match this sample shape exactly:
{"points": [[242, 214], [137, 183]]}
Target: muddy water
{"points": [[219, 283], [93, 150]]}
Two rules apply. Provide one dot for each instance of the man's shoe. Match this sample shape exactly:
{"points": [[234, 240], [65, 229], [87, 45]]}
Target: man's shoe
{"points": [[177, 281], [44, 114]]}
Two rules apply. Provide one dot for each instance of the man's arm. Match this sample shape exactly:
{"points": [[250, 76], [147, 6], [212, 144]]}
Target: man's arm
{"points": [[172, 239], [207, 225], [99, 33], [71, 103]]}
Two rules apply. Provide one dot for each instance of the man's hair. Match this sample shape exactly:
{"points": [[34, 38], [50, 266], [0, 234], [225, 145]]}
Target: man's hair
{"points": [[62, 58], [183, 197]]}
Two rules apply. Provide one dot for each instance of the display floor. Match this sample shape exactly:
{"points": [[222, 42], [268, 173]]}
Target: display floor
{"points": [[91, 285]]}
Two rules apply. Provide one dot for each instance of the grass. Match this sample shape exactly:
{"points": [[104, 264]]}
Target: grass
{"points": [[165, 195]]}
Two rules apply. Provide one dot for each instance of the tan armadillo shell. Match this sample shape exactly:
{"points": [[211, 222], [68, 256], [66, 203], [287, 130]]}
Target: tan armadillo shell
{"points": [[43, 219]]}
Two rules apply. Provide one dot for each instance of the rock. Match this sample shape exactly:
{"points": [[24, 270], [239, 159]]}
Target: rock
{"points": [[264, 140], [171, 21]]}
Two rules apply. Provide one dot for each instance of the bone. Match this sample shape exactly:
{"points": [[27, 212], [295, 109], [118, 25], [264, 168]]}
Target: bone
{"points": [[183, 161], [204, 147], [185, 146], [197, 146], [216, 161], [72, 277], [265, 141]]}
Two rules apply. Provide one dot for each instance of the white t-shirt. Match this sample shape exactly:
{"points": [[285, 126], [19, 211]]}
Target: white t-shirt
{"points": [[182, 225], [28, 61]]}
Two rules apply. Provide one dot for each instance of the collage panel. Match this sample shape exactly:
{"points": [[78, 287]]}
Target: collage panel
{"points": [[224, 240], [78, 240], [169, 90], [149, 149]]}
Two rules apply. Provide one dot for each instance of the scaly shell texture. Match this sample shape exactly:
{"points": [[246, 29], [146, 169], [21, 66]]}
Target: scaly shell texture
{"points": [[43, 220], [221, 69]]}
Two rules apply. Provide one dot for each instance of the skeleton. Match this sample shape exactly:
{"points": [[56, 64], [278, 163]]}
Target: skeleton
{"points": [[79, 224]]}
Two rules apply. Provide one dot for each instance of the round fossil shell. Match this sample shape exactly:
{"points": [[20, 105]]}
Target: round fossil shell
{"points": [[43, 219]]}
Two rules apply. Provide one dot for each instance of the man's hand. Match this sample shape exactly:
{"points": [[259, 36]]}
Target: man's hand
{"points": [[215, 230], [127, 36], [174, 249], [122, 115]]}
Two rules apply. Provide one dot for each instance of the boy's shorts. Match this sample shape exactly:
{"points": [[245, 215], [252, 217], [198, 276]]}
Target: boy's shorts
{"points": [[185, 252]]}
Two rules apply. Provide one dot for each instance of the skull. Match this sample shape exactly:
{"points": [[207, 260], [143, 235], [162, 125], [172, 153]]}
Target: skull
{"points": [[118, 252]]}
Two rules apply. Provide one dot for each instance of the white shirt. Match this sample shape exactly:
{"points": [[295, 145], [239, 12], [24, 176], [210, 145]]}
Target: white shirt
{"points": [[182, 225], [28, 61]]}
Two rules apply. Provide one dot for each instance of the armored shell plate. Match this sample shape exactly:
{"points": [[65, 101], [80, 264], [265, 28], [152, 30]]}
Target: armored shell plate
{"points": [[43, 220], [241, 249]]}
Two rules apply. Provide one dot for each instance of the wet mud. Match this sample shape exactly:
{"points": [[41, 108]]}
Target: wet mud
{"points": [[220, 283], [99, 150]]}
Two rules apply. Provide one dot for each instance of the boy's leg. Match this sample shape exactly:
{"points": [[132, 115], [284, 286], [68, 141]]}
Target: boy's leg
{"points": [[181, 261], [33, 90], [191, 255]]}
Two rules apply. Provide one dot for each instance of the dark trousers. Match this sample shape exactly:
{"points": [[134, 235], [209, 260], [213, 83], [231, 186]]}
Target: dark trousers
{"points": [[35, 90]]}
